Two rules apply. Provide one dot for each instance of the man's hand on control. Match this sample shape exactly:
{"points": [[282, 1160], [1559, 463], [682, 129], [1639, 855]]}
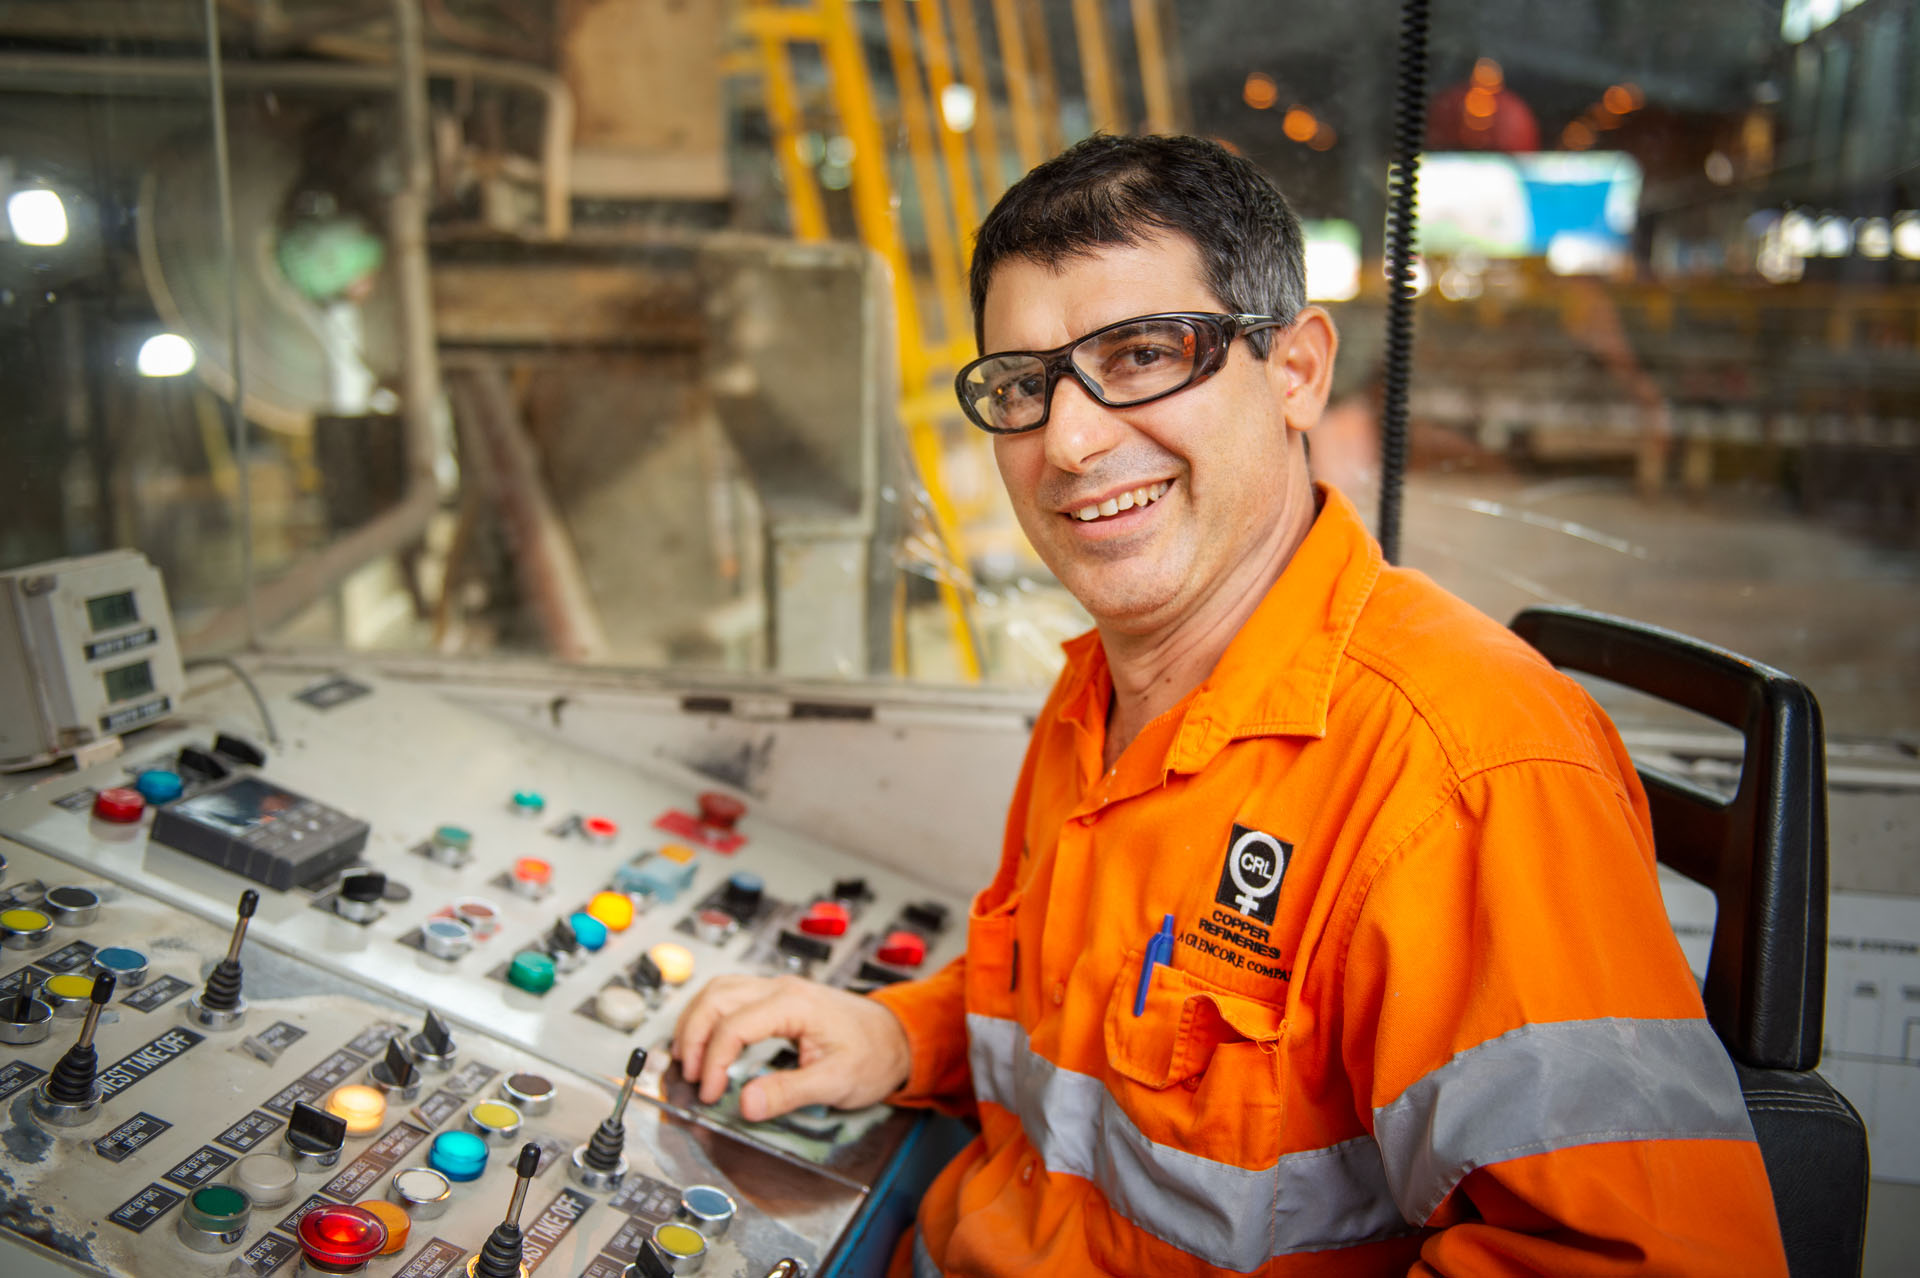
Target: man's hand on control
{"points": [[853, 1051]]}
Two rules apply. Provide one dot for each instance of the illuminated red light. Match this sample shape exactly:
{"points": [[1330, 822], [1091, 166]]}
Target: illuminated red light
{"points": [[600, 828], [341, 1239]]}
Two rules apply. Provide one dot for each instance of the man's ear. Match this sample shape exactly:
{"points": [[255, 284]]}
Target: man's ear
{"points": [[1300, 366]]}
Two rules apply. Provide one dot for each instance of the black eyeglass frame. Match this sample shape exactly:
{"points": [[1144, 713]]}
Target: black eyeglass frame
{"points": [[1222, 330]]}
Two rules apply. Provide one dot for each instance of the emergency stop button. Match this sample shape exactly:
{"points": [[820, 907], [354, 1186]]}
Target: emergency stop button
{"points": [[902, 949]]}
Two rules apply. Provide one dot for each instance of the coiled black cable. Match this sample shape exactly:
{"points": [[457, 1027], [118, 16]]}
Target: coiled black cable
{"points": [[1403, 181]]}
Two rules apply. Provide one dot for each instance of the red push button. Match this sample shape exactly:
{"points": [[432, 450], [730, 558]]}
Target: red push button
{"points": [[120, 805], [339, 1239], [902, 949], [720, 811], [600, 829], [532, 870], [825, 918]]}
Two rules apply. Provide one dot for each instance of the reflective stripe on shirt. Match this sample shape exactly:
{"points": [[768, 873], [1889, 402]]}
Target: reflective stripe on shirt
{"points": [[1551, 1086], [1538, 1088]]}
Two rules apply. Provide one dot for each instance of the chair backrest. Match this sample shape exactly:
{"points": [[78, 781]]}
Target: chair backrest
{"points": [[1763, 853]]}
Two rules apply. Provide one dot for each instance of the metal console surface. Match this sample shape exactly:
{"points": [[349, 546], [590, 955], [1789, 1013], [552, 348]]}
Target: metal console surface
{"points": [[410, 763]]}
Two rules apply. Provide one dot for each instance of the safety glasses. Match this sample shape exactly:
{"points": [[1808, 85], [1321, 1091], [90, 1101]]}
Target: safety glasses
{"points": [[1135, 361]]}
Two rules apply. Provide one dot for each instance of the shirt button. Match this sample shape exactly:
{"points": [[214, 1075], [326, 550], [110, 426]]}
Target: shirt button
{"points": [[1059, 993], [1087, 819], [1026, 1174]]}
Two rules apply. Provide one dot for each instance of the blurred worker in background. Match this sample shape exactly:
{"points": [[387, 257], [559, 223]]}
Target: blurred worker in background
{"points": [[1326, 936]]}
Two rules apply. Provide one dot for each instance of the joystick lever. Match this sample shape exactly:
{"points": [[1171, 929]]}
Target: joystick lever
{"points": [[602, 1162], [71, 1094], [218, 1005], [500, 1258]]}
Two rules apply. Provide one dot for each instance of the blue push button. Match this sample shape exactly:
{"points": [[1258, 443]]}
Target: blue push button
{"points": [[458, 1156], [158, 785], [589, 931]]}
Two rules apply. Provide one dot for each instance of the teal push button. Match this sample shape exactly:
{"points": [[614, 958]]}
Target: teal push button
{"points": [[589, 931], [532, 971], [460, 1156], [158, 785], [529, 803]]}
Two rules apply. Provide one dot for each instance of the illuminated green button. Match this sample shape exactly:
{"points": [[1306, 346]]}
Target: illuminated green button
{"points": [[529, 803], [452, 836], [215, 1218], [531, 971]]}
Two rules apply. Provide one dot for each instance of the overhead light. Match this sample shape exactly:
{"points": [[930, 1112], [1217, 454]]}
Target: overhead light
{"points": [[1906, 237], [958, 107], [1259, 92], [165, 355], [1873, 238], [1835, 235], [37, 217]]}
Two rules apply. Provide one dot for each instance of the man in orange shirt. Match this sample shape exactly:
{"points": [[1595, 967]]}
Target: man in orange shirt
{"points": [[1326, 937]]}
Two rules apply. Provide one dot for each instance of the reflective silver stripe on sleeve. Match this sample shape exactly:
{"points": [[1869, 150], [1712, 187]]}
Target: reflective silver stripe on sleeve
{"points": [[1538, 1088], [1234, 1217], [1552, 1086]]}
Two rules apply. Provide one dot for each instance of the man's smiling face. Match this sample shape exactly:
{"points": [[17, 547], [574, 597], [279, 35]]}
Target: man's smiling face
{"points": [[1145, 514]]}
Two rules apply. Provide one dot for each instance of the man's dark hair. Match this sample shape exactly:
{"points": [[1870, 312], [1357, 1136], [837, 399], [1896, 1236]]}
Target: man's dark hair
{"points": [[1109, 191]]}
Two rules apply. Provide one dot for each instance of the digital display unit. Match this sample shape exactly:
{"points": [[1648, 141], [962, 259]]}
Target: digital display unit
{"points": [[126, 682], [108, 612]]}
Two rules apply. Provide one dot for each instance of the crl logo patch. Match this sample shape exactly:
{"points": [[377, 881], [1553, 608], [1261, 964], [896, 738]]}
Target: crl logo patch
{"points": [[1250, 880]]}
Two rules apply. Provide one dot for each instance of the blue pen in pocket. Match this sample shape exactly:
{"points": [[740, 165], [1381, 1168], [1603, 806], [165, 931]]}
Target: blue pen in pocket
{"points": [[1159, 950]]}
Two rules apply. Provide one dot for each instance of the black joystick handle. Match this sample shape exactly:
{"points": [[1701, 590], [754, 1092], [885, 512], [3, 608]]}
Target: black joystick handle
{"points": [[610, 1138], [222, 993], [500, 1258], [72, 1080]]}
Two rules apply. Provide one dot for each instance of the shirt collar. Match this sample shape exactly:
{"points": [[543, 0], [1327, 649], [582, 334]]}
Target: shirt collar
{"points": [[1276, 677]]}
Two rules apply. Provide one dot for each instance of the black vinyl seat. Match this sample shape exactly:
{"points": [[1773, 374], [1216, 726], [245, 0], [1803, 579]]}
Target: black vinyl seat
{"points": [[1764, 855]]}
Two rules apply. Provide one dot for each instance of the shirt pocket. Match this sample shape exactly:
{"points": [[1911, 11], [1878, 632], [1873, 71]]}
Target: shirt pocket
{"points": [[1185, 1023], [993, 957]]}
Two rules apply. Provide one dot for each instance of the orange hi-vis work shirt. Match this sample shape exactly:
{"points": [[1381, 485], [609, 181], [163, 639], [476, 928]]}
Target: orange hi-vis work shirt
{"points": [[1423, 1011]]}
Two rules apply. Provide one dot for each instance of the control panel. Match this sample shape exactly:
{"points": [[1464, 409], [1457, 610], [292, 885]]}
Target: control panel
{"points": [[476, 940]]}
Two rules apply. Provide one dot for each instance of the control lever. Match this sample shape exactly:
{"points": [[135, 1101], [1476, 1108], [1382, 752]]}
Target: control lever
{"points": [[500, 1258], [600, 1164], [219, 1005], [71, 1094]]}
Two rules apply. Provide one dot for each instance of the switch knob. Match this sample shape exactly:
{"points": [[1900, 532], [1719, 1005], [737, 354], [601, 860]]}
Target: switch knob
{"points": [[314, 1137], [433, 1047], [360, 895], [24, 1019], [395, 1073]]}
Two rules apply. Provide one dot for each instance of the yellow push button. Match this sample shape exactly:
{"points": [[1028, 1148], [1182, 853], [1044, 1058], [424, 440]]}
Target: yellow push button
{"points": [[495, 1122], [68, 994], [615, 909], [23, 929], [679, 1241], [679, 853], [362, 1107], [674, 961]]}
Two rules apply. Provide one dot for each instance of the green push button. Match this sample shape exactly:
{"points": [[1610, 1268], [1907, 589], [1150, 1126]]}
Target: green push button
{"points": [[531, 971], [529, 803], [215, 1218], [453, 836]]}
